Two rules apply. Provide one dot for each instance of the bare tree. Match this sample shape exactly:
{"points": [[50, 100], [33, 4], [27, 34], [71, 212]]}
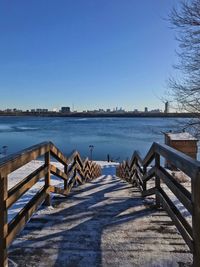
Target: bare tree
{"points": [[186, 91]]}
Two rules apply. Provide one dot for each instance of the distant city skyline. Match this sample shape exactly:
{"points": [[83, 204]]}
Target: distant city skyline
{"points": [[99, 109], [85, 54], [72, 108]]}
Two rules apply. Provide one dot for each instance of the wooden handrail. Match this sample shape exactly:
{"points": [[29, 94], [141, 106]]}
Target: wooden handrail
{"points": [[182, 161], [15, 161], [139, 172], [22, 187], [180, 191], [72, 156], [75, 170], [57, 154]]}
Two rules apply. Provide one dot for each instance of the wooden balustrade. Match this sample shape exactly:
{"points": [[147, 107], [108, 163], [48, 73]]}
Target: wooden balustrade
{"points": [[75, 171], [139, 172]]}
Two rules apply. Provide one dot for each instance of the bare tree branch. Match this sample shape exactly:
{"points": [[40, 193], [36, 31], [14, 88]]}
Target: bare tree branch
{"points": [[186, 92]]}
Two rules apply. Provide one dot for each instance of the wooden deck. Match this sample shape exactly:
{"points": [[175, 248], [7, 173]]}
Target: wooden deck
{"points": [[104, 222]]}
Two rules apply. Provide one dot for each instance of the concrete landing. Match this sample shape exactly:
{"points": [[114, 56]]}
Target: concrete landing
{"points": [[102, 223]]}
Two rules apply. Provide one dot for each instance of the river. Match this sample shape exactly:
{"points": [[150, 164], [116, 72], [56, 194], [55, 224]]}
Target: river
{"points": [[118, 137]]}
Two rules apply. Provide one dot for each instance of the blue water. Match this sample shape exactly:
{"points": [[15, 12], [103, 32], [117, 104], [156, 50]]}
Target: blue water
{"points": [[118, 137]]}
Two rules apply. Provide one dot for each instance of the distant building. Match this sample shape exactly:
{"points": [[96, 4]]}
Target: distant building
{"points": [[108, 110], [41, 110], [155, 111], [65, 109], [17, 110], [166, 107], [145, 109], [121, 110]]}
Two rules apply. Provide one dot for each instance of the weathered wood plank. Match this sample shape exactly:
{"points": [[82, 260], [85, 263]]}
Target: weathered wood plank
{"points": [[149, 174], [157, 180], [196, 218], [57, 190], [18, 223], [3, 219], [136, 157], [21, 188], [150, 156], [139, 168], [139, 173], [72, 157], [66, 172], [71, 167], [79, 161], [144, 182], [57, 172], [181, 223], [57, 154], [179, 159], [17, 160], [179, 191], [138, 183], [149, 192], [47, 201]]}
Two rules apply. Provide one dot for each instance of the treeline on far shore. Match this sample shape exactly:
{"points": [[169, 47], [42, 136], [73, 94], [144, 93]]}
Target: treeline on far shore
{"points": [[105, 114]]}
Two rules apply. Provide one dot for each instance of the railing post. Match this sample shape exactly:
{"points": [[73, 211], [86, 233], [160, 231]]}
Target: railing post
{"points": [[75, 169], [66, 172], [47, 201], [196, 219], [144, 183], [3, 220], [157, 180]]}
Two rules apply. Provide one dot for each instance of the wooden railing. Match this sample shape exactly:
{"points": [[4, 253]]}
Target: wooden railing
{"points": [[139, 172], [75, 171]]}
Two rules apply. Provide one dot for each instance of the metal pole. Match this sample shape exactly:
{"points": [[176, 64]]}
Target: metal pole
{"points": [[91, 147]]}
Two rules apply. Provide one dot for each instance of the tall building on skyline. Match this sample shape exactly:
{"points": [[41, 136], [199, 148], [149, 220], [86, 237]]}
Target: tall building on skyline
{"points": [[65, 109], [167, 107]]}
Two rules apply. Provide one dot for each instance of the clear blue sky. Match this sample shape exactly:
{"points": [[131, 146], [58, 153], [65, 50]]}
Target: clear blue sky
{"points": [[90, 53]]}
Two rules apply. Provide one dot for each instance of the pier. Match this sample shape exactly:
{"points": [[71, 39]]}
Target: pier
{"points": [[102, 215]]}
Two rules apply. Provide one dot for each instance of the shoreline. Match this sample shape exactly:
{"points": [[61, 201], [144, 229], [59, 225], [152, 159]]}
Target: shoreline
{"points": [[99, 115]]}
